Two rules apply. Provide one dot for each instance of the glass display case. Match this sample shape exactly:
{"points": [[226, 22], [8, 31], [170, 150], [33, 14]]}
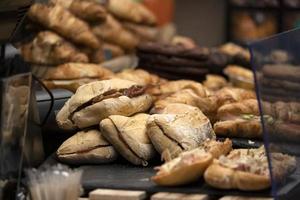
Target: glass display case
{"points": [[276, 65]]}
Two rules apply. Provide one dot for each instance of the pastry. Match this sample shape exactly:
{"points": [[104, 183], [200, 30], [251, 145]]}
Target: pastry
{"points": [[190, 166], [128, 136], [230, 95], [283, 131], [145, 33], [140, 76], [86, 147], [60, 20], [90, 11], [131, 11], [214, 82], [70, 76], [235, 50], [178, 128], [245, 126], [282, 71], [170, 87], [247, 169], [240, 76], [76, 71], [277, 83], [96, 101], [48, 48], [113, 32], [232, 110], [282, 111], [237, 72], [189, 97]]}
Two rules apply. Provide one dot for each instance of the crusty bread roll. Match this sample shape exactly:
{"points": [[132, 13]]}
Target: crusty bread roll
{"points": [[86, 147], [178, 128], [214, 82], [128, 136], [97, 100]]}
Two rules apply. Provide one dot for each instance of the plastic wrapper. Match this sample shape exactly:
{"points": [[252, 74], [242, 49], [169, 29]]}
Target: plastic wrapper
{"points": [[54, 183]]}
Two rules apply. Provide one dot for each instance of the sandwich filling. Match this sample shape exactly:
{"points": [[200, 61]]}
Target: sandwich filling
{"points": [[255, 161], [247, 160]]}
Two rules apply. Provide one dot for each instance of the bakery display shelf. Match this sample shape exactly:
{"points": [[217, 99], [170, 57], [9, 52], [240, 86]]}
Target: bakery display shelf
{"points": [[121, 175]]}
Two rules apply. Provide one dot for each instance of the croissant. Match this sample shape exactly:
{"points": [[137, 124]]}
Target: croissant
{"points": [[140, 76], [87, 10], [249, 106], [112, 31], [285, 111], [48, 48], [145, 33], [170, 87], [246, 126], [230, 95], [60, 20], [131, 11], [214, 82], [189, 97]]}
